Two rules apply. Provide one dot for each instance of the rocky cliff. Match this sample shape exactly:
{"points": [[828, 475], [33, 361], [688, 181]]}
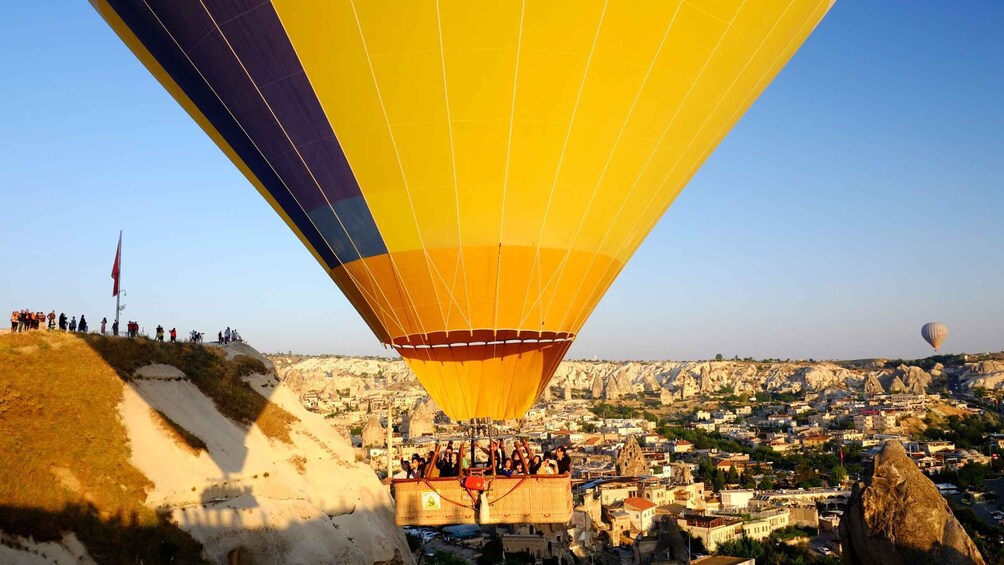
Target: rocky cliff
{"points": [[900, 518], [146, 452], [672, 380]]}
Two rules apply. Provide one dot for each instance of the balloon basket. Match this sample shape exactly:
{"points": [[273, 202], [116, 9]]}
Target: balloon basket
{"points": [[526, 499]]}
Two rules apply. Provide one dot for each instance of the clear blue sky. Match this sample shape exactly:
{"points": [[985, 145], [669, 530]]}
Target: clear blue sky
{"points": [[860, 197]]}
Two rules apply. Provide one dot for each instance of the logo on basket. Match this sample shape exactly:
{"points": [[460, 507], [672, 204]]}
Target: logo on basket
{"points": [[431, 500]]}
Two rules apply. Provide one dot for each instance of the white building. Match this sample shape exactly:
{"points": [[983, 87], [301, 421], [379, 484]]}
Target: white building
{"points": [[737, 499], [641, 512]]}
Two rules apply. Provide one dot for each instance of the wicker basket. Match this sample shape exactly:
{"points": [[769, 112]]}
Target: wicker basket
{"points": [[531, 499]]}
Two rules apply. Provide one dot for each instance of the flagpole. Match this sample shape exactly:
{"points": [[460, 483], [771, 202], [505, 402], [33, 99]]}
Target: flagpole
{"points": [[118, 282]]}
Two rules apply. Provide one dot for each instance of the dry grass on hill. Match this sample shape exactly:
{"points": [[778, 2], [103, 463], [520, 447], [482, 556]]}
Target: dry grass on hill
{"points": [[208, 369], [65, 455], [178, 433]]}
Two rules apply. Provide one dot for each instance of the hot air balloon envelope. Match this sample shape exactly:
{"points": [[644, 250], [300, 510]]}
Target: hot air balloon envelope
{"points": [[473, 175], [934, 333]]}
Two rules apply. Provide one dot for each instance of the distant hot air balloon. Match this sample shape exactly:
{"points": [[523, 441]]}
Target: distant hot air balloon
{"points": [[934, 333], [473, 175]]}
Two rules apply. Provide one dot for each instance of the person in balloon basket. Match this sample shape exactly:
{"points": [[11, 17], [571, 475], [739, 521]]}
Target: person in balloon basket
{"points": [[564, 461], [417, 466], [405, 472], [507, 468], [497, 448]]}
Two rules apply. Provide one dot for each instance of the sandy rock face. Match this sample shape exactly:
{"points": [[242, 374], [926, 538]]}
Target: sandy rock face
{"points": [[873, 386], [631, 461], [246, 493], [900, 518]]}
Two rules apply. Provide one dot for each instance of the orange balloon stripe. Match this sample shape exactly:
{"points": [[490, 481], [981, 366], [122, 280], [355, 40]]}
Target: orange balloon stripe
{"points": [[397, 316], [501, 380]]}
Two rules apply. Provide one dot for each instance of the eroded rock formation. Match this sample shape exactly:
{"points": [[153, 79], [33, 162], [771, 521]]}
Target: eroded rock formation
{"points": [[631, 461], [900, 518]]}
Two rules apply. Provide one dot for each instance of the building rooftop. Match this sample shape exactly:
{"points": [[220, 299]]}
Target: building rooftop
{"points": [[639, 503]]}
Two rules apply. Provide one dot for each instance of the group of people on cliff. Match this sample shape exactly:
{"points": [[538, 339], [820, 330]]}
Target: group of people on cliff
{"points": [[26, 320], [450, 464], [228, 335], [160, 334]]}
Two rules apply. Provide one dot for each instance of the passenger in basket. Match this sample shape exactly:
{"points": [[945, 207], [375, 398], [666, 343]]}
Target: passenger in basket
{"points": [[506, 470], [564, 461], [405, 472], [535, 465]]}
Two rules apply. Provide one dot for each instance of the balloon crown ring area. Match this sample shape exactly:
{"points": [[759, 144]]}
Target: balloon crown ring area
{"points": [[481, 343]]}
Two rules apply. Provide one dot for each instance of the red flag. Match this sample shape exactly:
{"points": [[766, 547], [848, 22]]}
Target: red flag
{"points": [[117, 267]]}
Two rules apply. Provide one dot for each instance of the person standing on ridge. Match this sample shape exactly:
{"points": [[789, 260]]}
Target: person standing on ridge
{"points": [[62, 321], [226, 335], [115, 328], [104, 323], [52, 320], [174, 335], [73, 324], [83, 325]]}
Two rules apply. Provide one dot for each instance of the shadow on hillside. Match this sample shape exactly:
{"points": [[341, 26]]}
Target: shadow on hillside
{"points": [[237, 404], [111, 539], [122, 540]]}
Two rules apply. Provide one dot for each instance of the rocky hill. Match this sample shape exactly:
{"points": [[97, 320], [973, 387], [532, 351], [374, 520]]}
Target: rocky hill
{"points": [[127, 451], [673, 379]]}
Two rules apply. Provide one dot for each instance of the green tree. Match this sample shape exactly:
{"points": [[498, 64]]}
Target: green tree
{"points": [[838, 475], [748, 482], [732, 477], [718, 357], [973, 476], [766, 483], [718, 481], [742, 547]]}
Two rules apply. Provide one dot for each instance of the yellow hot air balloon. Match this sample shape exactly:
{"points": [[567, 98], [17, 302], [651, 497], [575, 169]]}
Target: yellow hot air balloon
{"points": [[472, 174]]}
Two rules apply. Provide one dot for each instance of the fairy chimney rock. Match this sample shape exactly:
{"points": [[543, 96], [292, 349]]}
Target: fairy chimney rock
{"points": [[373, 433], [631, 461]]}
